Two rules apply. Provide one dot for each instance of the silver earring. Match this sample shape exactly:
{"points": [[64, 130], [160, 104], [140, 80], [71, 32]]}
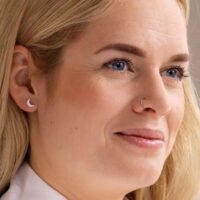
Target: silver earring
{"points": [[29, 104], [142, 101]]}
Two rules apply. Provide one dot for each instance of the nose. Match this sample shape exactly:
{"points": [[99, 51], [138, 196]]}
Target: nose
{"points": [[153, 96]]}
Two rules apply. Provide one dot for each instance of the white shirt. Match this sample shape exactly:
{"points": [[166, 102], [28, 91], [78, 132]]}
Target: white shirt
{"points": [[27, 185]]}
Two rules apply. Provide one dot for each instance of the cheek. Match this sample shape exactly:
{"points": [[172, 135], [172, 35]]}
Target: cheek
{"points": [[94, 98], [175, 119], [88, 104], [84, 106]]}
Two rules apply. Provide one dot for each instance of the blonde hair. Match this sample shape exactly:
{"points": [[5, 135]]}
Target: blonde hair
{"points": [[44, 27]]}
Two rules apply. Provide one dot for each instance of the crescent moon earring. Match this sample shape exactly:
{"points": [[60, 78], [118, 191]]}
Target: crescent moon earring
{"points": [[29, 104]]}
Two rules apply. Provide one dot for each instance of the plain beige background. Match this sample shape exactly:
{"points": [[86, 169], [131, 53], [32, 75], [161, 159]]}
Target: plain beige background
{"points": [[194, 41]]}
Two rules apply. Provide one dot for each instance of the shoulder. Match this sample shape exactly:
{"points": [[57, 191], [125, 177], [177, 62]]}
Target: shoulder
{"points": [[27, 185], [16, 185]]}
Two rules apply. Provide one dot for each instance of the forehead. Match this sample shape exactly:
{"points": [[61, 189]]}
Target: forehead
{"points": [[146, 23]]}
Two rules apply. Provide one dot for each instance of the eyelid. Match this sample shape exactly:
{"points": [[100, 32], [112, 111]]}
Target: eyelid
{"points": [[131, 66], [183, 71]]}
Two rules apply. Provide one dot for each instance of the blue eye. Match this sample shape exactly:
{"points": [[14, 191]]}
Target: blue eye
{"points": [[119, 65], [175, 72]]}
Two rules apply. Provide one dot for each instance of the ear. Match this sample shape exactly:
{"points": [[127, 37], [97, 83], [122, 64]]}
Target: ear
{"points": [[20, 83]]}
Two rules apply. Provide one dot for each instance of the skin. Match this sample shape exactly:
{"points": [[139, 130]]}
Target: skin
{"points": [[73, 146]]}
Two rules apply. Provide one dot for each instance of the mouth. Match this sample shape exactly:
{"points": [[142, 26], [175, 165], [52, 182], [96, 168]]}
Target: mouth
{"points": [[143, 138]]}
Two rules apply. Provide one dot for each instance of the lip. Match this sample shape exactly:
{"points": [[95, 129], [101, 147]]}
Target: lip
{"points": [[145, 133], [145, 138]]}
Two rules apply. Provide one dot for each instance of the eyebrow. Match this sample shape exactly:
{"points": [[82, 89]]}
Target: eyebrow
{"points": [[134, 50], [185, 57], [124, 48]]}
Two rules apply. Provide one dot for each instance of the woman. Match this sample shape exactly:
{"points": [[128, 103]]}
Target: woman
{"points": [[96, 102]]}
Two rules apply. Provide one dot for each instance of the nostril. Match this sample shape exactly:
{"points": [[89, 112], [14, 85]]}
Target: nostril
{"points": [[149, 109], [119, 133]]}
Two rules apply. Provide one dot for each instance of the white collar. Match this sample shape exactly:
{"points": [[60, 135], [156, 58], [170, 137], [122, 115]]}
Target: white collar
{"points": [[27, 185]]}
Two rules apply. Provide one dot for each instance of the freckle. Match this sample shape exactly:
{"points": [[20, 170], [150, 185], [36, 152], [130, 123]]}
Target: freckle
{"points": [[51, 122], [76, 128], [60, 147]]}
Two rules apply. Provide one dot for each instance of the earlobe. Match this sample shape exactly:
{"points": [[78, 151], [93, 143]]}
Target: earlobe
{"points": [[20, 83]]}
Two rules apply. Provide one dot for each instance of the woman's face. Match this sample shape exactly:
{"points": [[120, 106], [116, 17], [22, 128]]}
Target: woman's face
{"points": [[138, 49]]}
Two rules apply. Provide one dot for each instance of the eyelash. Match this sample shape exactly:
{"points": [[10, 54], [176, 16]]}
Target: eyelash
{"points": [[130, 67], [181, 71]]}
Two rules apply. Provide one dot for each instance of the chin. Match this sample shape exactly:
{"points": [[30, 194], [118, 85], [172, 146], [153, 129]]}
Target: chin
{"points": [[144, 174], [149, 176]]}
